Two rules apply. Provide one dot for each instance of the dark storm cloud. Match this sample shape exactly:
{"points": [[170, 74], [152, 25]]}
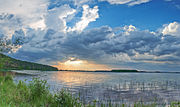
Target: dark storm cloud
{"points": [[139, 41], [95, 43]]}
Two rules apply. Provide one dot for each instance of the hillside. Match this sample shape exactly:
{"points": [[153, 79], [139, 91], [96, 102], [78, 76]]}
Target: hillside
{"points": [[8, 63]]}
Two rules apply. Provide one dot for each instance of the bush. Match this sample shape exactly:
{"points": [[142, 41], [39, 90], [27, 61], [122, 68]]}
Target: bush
{"points": [[38, 88], [65, 99], [8, 78]]}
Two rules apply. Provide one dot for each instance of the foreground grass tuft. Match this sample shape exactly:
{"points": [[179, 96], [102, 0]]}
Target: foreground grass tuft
{"points": [[36, 94]]}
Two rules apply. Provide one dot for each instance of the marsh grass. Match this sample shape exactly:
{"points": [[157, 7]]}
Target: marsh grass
{"points": [[37, 94]]}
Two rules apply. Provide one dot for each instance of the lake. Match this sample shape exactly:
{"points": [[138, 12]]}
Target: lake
{"points": [[128, 88]]}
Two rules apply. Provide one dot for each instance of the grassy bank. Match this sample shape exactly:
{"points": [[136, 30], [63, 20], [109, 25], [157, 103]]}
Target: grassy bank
{"points": [[36, 94]]}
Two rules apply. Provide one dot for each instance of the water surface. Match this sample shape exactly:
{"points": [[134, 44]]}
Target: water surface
{"points": [[128, 88]]}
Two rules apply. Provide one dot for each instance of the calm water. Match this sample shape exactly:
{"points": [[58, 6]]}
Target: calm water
{"points": [[118, 87]]}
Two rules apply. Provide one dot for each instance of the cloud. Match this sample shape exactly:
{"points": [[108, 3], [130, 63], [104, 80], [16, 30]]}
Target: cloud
{"points": [[39, 35], [172, 29], [102, 45], [81, 2], [89, 15], [16, 32], [117, 1], [138, 2], [128, 2], [38, 25], [56, 18], [9, 23], [80, 65], [17, 16], [28, 10], [106, 42]]}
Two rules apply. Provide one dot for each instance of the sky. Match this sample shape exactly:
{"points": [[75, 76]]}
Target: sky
{"points": [[93, 34]]}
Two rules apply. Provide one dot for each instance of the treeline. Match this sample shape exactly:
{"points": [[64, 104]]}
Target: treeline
{"points": [[8, 63], [124, 70]]}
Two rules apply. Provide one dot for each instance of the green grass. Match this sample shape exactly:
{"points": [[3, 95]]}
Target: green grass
{"points": [[34, 94], [37, 94]]}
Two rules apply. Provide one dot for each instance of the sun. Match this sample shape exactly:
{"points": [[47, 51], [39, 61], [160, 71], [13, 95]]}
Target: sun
{"points": [[69, 62], [77, 64]]}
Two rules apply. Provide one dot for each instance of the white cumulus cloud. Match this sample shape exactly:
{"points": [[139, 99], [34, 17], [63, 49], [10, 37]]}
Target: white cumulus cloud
{"points": [[56, 18], [89, 15], [172, 29]]}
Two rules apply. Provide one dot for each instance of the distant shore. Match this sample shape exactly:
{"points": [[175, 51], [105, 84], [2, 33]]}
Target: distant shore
{"points": [[120, 71]]}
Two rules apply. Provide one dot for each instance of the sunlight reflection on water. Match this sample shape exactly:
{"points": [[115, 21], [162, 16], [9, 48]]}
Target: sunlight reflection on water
{"points": [[79, 78]]}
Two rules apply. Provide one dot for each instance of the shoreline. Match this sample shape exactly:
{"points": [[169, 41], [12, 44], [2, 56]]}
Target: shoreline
{"points": [[116, 72], [98, 71]]}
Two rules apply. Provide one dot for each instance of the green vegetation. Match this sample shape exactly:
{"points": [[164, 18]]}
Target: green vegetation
{"points": [[124, 70], [36, 94], [8, 63]]}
